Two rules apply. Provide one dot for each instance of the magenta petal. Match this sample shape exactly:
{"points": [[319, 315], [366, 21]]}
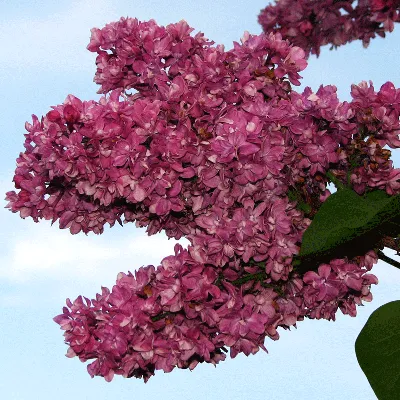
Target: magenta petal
{"points": [[354, 283], [248, 149]]}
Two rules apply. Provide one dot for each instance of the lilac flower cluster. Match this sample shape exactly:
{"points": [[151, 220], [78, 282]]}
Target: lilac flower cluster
{"points": [[208, 149], [182, 313], [311, 24]]}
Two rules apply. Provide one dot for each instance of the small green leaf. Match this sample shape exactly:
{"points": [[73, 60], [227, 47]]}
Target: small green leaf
{"points": [[378, 351], [348, 225]]}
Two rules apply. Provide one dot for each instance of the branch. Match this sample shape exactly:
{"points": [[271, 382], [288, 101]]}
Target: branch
{"points": [[388, 260], [391, 243], [250, 277]]}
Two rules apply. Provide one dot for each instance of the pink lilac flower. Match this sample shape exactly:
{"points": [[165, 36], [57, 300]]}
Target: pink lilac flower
{"points": [[312, 24]]}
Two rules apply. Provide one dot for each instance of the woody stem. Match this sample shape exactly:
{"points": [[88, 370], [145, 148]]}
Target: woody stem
{"points": [[388, 260]]}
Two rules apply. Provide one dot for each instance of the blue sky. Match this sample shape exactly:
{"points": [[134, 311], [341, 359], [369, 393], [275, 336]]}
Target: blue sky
{"points": [[43, 59]]}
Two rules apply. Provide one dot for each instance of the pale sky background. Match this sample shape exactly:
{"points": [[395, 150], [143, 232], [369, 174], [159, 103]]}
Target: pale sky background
{"points": [[43, 59]]}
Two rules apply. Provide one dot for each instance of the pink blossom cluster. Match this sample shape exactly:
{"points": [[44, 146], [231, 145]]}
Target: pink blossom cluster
{"points": [[207, 149], [181, 314], [311, 24]]}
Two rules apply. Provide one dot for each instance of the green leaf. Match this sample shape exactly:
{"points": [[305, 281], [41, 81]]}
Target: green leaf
{"points": [[378, 351], [348, 225]]}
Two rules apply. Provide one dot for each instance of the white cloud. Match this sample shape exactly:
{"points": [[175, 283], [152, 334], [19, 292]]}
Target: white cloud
{"points": [[14, 300], [54, 42], [41, 251], [35, 251]]}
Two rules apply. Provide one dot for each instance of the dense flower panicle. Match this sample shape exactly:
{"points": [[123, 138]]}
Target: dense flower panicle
{"points": [[179, 314], [124, 158], [207, 149], [312, 24], [168, 63]]}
